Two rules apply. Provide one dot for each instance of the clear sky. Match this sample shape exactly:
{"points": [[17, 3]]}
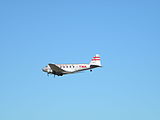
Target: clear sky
{"points": [[125, 33]]}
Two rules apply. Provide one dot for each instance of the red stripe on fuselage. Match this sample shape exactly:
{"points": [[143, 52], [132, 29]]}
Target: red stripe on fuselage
{"points": [[82, 66]]}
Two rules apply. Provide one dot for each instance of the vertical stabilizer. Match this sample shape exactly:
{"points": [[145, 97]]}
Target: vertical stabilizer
{"points": [[96, 60]]}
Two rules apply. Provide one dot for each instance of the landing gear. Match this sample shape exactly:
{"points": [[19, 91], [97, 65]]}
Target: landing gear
{"points": [[90, 70]]}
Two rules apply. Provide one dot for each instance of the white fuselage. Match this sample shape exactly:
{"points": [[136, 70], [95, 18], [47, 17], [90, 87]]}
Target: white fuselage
{"points": [[73, 67], [69, 67]]}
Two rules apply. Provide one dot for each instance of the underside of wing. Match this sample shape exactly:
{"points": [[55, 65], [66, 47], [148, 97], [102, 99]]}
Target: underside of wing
{"points": [[56, 69]]}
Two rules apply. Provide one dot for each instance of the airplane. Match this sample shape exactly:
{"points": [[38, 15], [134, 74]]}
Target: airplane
{"points": [[63, 69]]}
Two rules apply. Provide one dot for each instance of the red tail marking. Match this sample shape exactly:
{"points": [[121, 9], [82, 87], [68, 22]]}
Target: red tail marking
{"points": [[95, 59]]}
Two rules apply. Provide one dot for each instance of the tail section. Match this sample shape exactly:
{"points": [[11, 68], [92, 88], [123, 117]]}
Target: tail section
{"points": [[96, 61]]}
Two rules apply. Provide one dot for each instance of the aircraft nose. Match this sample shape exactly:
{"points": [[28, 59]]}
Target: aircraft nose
{"points": [[43, 69]]}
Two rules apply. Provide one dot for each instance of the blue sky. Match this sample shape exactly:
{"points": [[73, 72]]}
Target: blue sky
{"points": [[35, 33]]}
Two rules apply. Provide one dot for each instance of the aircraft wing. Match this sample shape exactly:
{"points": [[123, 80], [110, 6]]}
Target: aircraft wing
{"points": [[56, 68]]}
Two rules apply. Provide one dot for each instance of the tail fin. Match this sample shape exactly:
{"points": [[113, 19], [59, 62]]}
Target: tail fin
{"points": [[96, 61]]}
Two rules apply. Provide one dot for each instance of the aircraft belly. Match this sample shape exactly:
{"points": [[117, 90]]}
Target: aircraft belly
{"points": [[68, 70]]}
